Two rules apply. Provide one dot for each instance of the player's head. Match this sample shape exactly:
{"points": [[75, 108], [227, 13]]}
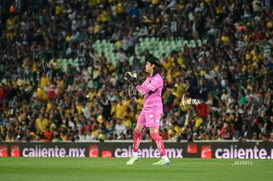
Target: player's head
{"points": [[153, 65]]}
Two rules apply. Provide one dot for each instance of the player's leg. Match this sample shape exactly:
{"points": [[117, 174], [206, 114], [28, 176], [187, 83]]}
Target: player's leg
{"points": [[137, 138], [160, 146], [153, 120], [136, 143]]}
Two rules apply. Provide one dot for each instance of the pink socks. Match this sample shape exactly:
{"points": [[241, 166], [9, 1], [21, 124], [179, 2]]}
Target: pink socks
{"points": [[137, 140], [159, 143]]}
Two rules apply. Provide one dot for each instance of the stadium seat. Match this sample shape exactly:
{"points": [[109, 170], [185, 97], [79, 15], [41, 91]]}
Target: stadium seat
{"points": [[153, 44]]}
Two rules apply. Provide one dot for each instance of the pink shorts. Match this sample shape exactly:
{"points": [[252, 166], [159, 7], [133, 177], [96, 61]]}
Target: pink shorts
{"points": [[149, 119]]}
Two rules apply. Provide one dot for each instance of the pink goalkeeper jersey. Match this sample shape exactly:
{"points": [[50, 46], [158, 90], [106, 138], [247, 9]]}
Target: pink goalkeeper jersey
{"points": [[152, 89]]}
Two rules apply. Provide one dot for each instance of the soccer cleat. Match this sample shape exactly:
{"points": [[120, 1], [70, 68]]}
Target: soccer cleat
{"points": [[132, 160], [162, 162]]}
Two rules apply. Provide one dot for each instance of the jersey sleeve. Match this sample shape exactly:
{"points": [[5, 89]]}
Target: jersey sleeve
{"points": [[151, 86]]}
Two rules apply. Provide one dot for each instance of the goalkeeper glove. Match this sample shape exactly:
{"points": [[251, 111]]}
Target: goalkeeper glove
{"points": [[131, 77]]}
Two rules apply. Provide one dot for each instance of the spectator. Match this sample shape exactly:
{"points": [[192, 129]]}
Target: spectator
{"points": [[119, 127]]}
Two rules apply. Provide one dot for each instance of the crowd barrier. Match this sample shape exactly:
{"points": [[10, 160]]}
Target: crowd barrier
{"points": [[179, 150]]}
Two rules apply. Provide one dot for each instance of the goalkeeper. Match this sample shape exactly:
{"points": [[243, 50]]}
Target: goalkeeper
{"points": [[152, 110]]}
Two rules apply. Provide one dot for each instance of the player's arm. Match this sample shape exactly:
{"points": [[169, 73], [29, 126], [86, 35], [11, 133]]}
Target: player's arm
{"points": [[150, 87]]}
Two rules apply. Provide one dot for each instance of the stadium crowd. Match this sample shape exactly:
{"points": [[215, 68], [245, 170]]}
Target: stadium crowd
{"points": [[219, 90]]}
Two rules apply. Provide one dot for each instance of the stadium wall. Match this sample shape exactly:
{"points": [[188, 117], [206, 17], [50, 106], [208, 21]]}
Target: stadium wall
{"points": [[206, 150]]}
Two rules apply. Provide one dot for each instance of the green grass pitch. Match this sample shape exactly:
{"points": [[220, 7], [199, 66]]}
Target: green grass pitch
{"points": [[115, 169]]}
